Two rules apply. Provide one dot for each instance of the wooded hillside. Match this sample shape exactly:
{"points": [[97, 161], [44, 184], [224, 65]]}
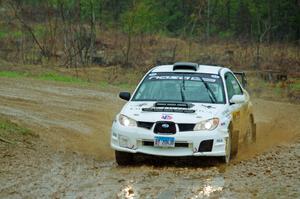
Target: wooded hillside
{"points": [[134, 32]]}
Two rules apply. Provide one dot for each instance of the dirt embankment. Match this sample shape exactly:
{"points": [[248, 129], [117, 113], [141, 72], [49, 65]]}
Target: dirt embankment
{"points": [[77, 119]]}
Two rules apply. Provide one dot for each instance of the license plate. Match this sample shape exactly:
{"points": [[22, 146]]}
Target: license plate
{"points": [[164, 141]]}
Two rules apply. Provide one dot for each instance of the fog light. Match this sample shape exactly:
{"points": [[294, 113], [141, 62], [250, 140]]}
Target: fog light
{"points": [[123, 141], [206, 146]]}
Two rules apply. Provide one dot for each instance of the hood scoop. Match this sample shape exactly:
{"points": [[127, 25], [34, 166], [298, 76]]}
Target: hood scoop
{"points": [[171, 104]]}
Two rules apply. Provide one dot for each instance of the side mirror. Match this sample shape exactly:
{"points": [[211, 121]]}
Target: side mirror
{"points": [[125, 96], [237, 99]]}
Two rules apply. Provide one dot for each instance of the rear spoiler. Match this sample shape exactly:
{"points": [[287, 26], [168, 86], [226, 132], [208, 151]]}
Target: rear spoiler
{"points": [[242, 78]]}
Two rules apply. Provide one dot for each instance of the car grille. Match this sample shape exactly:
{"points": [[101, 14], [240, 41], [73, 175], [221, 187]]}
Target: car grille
{"points": [[165, 127], [146, 125], [182, 127], [186, 127]]}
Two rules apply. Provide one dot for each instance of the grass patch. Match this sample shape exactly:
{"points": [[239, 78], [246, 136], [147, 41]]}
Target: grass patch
{"points": [[54, 76], [11, 132], [278, 90], [8, 127], [296, 86], [60, 78], [103, 84], [12, 74]]}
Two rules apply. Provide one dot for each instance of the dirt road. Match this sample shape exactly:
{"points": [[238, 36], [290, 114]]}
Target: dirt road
{"points": [[72, 157]]}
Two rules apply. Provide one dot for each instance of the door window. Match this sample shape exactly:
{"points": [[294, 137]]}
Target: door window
{"points": [[232, 85]]}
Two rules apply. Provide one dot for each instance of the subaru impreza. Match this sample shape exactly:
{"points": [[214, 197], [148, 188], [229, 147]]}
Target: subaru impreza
{"points": [[184, 109]]}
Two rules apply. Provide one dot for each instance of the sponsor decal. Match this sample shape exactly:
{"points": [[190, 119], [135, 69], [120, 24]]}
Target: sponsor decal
{"points": [[173, 77], [152, 74], [215, 76], [208, 79], [142, 104], [166, 117], [220, 140]]}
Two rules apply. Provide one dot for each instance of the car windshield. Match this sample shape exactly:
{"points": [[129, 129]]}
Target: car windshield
{"points": [[181, 87]]}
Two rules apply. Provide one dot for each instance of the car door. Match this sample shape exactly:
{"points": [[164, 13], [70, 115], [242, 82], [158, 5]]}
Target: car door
{"points": [[237, 110]]}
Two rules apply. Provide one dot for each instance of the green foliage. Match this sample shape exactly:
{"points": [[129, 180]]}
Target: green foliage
{"points": [[13, 34], [226, 34], [16, 34], [142, 18], [39, 30], [3, 34], [269, 20], [67, 4]]}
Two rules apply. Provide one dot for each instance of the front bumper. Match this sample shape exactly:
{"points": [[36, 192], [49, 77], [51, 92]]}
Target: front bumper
{"points": [[133, 139]]}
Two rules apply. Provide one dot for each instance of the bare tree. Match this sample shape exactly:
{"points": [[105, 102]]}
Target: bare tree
{"points": [[266, 29], [16, 8]]}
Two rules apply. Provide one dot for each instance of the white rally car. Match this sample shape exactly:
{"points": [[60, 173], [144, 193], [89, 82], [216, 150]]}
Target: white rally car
{"points": [[184, 109]]}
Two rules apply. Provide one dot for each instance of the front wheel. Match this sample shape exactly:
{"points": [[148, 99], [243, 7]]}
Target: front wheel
{"points": [[251, 131], [123, 158], [225, 159], [231, 146]]}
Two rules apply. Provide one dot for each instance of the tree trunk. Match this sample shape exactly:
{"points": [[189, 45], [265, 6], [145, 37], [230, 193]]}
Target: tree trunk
{"points": [[208, 20], [93, 32]]}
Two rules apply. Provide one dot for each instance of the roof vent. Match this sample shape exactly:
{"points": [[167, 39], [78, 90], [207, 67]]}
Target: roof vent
{"points": [[185, 66]]}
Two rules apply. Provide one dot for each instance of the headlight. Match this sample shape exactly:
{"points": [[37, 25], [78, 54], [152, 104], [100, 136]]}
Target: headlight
{"points": [[209, 125], [126, 121]]}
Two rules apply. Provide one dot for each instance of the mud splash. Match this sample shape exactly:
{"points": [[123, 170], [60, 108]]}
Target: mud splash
{"points": [[277, 123]]}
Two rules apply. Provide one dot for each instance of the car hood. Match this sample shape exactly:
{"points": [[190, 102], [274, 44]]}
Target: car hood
{"points": [[202, 112]]}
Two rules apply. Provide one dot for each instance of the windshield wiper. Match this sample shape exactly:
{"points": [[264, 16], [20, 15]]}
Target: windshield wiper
{"points": [[211, 93], [182, 87]]}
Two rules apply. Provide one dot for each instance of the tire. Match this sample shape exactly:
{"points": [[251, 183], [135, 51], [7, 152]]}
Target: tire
{"points": [[123, 158], [225, 159], [234, 143], [251, 132], [231, 148]]}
